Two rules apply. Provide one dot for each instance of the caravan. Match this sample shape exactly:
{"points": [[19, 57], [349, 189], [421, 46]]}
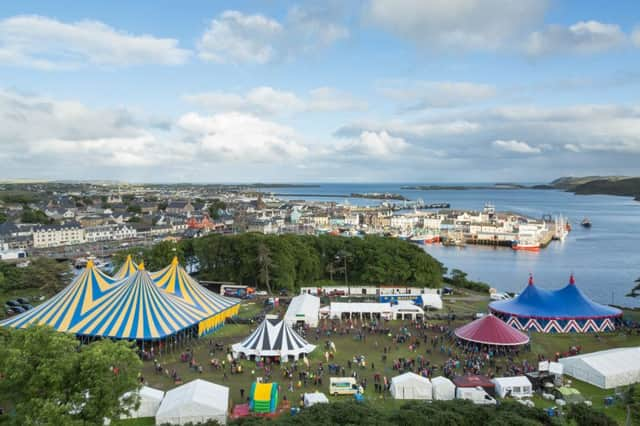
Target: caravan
{"points": [[343, 386]]}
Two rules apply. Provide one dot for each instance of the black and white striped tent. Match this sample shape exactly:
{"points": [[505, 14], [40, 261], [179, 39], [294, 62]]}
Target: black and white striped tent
{"points": [[273, 337]]}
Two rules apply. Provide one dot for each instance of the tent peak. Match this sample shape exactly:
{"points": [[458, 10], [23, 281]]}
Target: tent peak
{"points": [[175, 261], [141, 266]]}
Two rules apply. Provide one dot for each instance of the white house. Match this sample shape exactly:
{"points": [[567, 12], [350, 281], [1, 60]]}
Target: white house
{"points": [[58, 235]]}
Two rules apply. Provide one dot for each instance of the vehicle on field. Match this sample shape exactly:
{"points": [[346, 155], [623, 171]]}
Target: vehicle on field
{"points": [[343, 386]]}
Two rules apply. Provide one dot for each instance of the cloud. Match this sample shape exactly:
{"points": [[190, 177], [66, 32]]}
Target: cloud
{"points": [[582, 37], [516, 146], [635, 36], [446, 24], [418, 95], [45, 43], [235, 37], [242, 138], [269, 101], [379, 145]]}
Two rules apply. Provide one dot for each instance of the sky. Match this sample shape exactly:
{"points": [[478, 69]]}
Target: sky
{"points": [[334, 91]]}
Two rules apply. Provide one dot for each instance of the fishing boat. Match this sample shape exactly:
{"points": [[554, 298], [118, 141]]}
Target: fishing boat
{"points": [[525, 245], [586, 223], [428, 238]]}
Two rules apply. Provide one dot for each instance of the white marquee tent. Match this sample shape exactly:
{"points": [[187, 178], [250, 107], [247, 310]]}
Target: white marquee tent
{"points": [[605, 369], [273, 337], [314, 398], [150, 400], [517, 386], [196, 401], [410, 386], [350, 310], [305, 308], [443, 389]]}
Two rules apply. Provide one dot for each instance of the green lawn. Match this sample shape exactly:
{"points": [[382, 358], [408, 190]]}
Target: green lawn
{"points": [[347, 346], [144, 421]]}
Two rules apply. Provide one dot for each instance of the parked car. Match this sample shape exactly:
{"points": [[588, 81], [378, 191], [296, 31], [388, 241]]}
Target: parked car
{"points": [[9, 311], [22, 300], [261, 293], [284, 292], [26, 306], [13, 303], [18, 309]]}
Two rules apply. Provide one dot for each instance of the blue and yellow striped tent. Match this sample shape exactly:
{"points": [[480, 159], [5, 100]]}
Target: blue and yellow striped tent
{"points": [[127, 269], [176, 281], [70, 305], [138, 310]]}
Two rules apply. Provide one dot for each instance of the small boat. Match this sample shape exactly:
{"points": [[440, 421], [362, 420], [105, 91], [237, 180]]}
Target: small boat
{"points": [[586, 223], [525, 246], [426, 239]]}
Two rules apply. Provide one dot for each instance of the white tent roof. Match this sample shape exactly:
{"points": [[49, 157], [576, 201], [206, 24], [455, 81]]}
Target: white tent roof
{"points": [[365, 307], [443, 388], [511, 381], [432, 300], [304, 304], [273, 338], [196, 401], [410, 386], [150, 400], [315, 398], [605, 369]]}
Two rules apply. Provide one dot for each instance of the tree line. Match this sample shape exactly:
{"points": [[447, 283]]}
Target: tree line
{"points": [[292, 261]]}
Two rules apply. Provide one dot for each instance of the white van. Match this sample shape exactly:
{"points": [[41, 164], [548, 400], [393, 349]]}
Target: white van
{"points": [[476, 395], [343, 386]]}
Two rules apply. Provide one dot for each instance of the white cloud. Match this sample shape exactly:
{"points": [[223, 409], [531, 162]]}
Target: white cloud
{"points": [[437, 94], [571, 147], [270, 101], [379, 145], [582, 37], [466, 24], [45, 43], [317, 24], [237, 38], [516, 146], [635, 36], [242, 138]]}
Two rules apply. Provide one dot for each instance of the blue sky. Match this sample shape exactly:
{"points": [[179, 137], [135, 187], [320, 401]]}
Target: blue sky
{"points": [[375, 90]]}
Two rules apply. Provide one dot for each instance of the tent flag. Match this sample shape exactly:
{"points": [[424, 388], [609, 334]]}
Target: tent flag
{"points": [[127, 269]]}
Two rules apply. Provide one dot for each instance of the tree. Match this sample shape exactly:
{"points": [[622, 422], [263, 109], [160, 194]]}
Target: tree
{"points": [[583, 415], [50, 379], [265, 264], [3, 217], [635, 291], [30, 215], [215, 207]]}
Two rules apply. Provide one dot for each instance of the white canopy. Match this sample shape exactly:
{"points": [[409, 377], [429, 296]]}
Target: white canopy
{"points": [[410, 386], [273, 338], [303, 308], [443, 389], [196, 401], [605, 369], [150, 400], [383, 309], [315, 398], [433, 301], [517, 386]]}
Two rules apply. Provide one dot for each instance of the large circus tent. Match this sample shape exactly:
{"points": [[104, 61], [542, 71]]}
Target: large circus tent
{"points": [[138, 306], [490, 330], [273, 338], [556, 311]]}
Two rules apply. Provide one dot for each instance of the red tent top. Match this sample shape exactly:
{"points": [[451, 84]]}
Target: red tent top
{"points": [[472, 381], [490, 330]]}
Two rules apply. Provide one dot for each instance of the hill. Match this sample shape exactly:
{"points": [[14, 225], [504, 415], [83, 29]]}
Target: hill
{"points": [[606, 185]]}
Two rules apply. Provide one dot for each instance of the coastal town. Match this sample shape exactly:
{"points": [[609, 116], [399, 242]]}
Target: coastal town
{"points": [[74, 219]]}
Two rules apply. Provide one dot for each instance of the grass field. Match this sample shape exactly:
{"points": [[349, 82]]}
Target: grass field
{"points": [[348, 346]]}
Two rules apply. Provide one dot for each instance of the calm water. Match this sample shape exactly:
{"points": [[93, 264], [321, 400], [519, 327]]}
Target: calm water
{"points": [[605, 259]]}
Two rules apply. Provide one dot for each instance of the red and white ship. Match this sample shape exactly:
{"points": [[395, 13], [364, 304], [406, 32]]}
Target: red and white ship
{"points": [[526, 245], [428, 238]]}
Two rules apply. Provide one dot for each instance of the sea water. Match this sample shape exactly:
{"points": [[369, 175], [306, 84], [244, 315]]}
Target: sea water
{"points": [[605, 259]]}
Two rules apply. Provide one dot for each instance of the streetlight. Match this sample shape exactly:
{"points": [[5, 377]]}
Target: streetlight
{"points": [[344, 255]]}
